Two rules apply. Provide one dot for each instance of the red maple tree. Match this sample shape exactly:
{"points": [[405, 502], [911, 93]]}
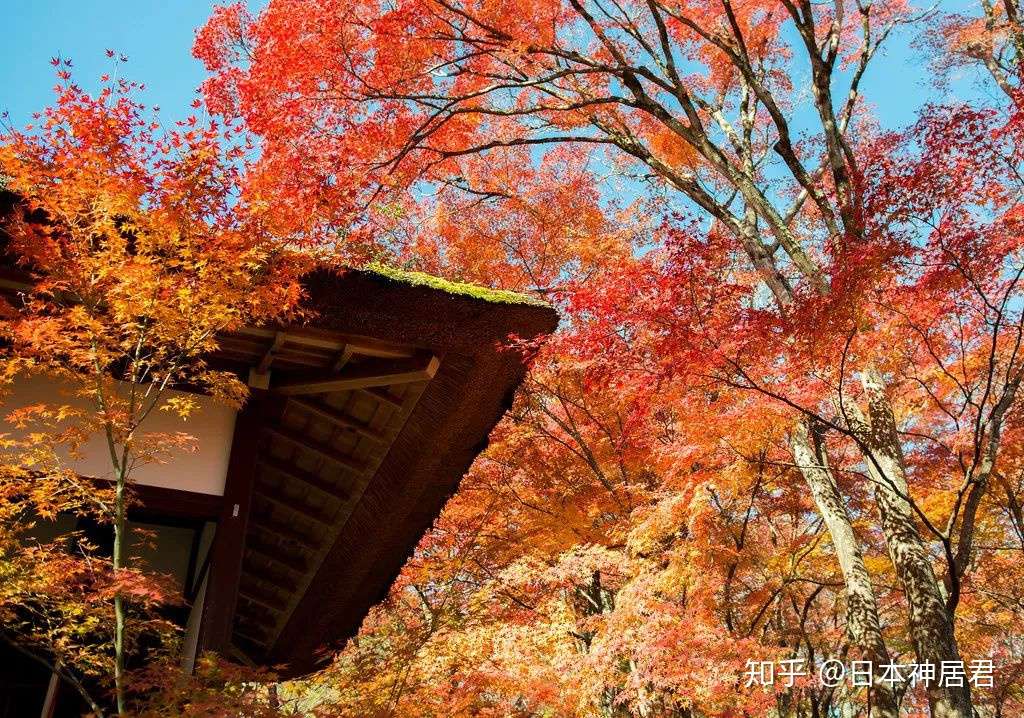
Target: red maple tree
{"points": [[783, 419]]}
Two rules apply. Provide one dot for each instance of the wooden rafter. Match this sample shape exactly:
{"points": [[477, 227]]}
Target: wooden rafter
{"points": [[362, 376], [304, 442], [256, 593], [238, 653], [248, 634], [268, 357], [253, 629], [286, 470], [337, 417], [277, 573], [383, 395], [343, 358], [300, 507], [276, 608], [365, 346], [290, 563], [277, 529]]}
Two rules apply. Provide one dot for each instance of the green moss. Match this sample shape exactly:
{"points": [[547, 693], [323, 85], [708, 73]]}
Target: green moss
{"points": [[462, 289]]}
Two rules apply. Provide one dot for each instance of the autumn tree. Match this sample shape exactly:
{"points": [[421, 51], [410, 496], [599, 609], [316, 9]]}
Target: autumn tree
{"points": [[135, 250], [870, 268], [990, 37]]}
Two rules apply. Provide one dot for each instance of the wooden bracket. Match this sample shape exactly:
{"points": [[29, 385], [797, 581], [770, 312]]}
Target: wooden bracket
{"points": [[363, 375]]}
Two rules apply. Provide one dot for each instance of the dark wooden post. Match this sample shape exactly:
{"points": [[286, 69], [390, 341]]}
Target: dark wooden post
{"points": [[229, 541], [52, 696]]}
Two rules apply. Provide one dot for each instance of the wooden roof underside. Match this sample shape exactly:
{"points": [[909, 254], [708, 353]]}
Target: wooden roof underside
{"points": [[343, 402], [372, 411], [377, 407]]}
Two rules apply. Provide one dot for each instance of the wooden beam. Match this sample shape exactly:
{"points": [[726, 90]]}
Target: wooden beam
{"points": [[292, 505], [240, 656], [289, 563], [268, 358], [384, 396], [287, 470], [255, 613], [52, 696], [304, 442], [253, 632], [258, 381], [362, 376], [282, 575], [259, 375], [337, 417], [257, 594], [343, 358], [241, 344], [229, 541], [162, 501], [280, 530], [255, 645], [246, 596], [365, 346]]}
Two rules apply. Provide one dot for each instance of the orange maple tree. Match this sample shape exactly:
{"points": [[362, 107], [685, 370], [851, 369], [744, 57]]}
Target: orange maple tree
{"points": [[781, 422], [136, 249]]}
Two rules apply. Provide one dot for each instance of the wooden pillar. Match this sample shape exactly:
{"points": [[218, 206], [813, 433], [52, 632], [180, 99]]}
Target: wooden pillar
{"points": [[52, 695], [229, 541]]}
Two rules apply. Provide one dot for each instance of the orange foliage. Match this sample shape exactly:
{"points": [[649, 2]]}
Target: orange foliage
{"points": [[136, 251], [743, 260], [739, 295]]}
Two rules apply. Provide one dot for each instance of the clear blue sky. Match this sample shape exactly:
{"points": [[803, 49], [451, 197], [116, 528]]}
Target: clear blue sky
{"points": [[157, 37]]}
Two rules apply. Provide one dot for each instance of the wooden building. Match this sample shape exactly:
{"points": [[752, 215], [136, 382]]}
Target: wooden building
{"points": [[295, 514]]}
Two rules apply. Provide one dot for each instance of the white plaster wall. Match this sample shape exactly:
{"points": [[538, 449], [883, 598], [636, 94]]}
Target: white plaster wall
{"points": [[202, 471]]}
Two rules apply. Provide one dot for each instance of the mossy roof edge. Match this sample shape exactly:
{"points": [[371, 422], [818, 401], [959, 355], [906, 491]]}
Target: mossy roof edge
{"points": [[461, 289]]}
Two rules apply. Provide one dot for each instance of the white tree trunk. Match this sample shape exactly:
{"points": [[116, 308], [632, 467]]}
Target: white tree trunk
{"points": [[862, 622]]}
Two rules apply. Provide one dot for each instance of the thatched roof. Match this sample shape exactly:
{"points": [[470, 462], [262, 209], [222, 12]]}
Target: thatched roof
{"points": [[365, 469]]}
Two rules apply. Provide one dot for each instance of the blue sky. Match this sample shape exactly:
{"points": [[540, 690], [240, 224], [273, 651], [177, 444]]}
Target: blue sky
{"points": [[157, 37]]}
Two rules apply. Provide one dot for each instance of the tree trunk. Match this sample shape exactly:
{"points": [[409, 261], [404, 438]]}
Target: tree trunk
{"points": [[120, 527], [862, 623], [931, 626]]}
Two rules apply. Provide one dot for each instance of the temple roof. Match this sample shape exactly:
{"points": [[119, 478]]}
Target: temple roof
{"points": [[375, 408], [363, 418]]}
